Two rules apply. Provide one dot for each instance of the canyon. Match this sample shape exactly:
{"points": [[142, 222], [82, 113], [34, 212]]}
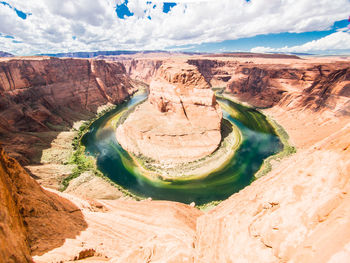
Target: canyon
{"points": [[298, 212]]}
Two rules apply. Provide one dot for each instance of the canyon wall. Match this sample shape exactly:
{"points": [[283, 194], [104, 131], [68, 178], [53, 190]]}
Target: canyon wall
{"points": [[264, 84], [143, 69], [299, 212], [315, 84], [46, 95], [14, 244], [33, 220]]}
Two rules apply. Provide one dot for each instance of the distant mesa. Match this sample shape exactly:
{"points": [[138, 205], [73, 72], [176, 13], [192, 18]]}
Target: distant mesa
{"points": [[180, 121], [5, 54], [102, 54], [256, 55]]}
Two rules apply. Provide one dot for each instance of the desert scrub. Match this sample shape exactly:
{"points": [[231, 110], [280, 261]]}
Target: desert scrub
{"points": [[209, 206], [79, 159], [84, 163]]}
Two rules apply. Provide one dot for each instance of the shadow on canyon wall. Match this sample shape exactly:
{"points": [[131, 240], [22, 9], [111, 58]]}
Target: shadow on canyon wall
{"points": [[34, 220], [41, 97]]}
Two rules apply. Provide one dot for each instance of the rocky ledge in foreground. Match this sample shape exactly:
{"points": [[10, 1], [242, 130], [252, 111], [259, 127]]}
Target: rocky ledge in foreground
{"points": [[180, 121]]}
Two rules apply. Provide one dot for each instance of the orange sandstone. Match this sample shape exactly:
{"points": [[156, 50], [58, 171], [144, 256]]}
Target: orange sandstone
{"points": [[180, 121]]}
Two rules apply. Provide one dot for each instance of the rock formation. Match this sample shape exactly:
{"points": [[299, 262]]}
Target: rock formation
{"points": [[180, 121], [14, 245], [46, 95], [122, 231], [299, 212], [33, 220], [314, 83], [143, 70]]}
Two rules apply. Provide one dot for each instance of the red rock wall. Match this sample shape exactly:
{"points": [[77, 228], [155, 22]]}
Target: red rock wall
{"points": [[32, 220], [44, 95], [312, 85], [143, 69], [14, 245], [315, 87]]}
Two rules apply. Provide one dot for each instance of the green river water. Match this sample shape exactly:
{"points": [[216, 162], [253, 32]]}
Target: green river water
{"points": [[259, 141]]}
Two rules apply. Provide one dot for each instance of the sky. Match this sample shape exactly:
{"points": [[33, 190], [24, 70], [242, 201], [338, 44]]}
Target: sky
{"points": [[29, 27]]}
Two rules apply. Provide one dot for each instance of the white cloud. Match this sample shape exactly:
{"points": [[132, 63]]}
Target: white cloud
{"points": [[54, 23], [334, 42]]}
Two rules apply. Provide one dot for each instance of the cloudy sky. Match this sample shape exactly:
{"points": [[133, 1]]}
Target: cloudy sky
{"points": [[30, 27]]}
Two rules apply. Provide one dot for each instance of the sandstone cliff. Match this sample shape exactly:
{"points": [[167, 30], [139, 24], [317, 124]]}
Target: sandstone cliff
{"points": [[180, 122], [14, 245], [314, 86], [46, 95], [33, 220], [142, 70], [263, 84]]}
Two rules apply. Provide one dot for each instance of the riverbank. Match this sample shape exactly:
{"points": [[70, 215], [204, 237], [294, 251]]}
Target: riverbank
{"points": [[287, 150], [65, 167]]}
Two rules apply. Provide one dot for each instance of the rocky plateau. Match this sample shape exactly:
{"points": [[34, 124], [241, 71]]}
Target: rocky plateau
{"points": [[298, 212]]}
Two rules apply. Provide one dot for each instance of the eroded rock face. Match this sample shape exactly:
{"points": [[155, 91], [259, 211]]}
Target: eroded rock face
{"points": [[33, 220], [263, 83], [143, 70], [14, 245], [46, 95], [299, 212], [180, 121]]}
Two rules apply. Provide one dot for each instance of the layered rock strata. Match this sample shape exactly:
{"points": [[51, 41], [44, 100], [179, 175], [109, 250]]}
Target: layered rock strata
{"points": [[180, 121], [299, 212], [312, 83], [265, 82], [40, 97]]}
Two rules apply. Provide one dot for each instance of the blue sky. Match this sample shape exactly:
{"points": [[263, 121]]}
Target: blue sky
{"points": [[19, 13], [52, 26], [279, 40]]}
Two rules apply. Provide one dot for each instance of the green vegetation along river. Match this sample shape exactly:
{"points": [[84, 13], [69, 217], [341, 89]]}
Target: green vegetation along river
{"points": [[258, 141]]}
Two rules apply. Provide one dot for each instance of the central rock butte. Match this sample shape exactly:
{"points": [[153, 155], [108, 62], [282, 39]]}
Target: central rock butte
{"points": [[180, 121]]}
